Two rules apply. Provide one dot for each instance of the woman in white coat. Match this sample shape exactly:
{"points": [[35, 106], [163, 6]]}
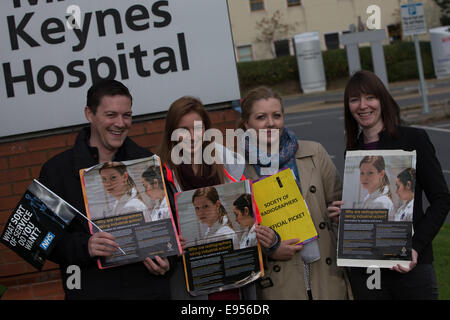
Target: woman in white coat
{"points": [[211, 212], [373, 178], [406, 183], [243, 209], [118, 183], [153, 185]]}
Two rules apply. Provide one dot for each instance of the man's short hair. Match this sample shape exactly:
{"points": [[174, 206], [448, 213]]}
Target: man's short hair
{"points": [[103, 88]]}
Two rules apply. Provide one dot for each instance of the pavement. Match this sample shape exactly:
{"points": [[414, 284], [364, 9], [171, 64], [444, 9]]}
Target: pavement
{"points": [[406, 93]]}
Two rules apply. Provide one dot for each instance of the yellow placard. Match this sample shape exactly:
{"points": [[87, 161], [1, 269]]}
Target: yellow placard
{"points": [[281, 207]]}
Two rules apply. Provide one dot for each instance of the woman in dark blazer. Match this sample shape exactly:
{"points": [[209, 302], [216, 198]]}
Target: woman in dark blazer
{"points": [[372, 121]]}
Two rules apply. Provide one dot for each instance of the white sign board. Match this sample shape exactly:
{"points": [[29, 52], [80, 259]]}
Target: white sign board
{"points": [[440, 48], [413, 19], [52, 51], [310, 63]]}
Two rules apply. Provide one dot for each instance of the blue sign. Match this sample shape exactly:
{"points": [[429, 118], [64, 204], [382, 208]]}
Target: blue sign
{"points": [[413, 19], [47, 241]]}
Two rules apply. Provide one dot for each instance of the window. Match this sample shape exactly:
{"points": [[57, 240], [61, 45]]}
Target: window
{"points": [[291, 3], [394, 32], [256, 5], [282, 48], [332, 40], [245, 53]]}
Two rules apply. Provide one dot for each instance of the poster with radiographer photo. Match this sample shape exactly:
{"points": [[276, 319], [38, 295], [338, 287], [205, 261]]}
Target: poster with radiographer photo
{"points": [[129, 200], [218, 225], [375, 226]]}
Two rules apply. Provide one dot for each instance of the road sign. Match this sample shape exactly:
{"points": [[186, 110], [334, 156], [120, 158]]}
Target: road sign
{"points": [[413, 19]]}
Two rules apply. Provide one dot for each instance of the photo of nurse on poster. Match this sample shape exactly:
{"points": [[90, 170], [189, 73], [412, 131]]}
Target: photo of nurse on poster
{"points": [[381, 181], [216, 213], [129, 200], [218, 224]]}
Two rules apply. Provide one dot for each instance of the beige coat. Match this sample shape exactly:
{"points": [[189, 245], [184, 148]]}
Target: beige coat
{"points": [[321, 184]]}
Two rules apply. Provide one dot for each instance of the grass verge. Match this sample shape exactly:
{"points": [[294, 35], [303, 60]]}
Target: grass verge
{"points": [[441, 248]]}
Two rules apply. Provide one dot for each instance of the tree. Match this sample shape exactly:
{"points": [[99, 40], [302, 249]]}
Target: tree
{"points": [[445, 11], [273, 28]]}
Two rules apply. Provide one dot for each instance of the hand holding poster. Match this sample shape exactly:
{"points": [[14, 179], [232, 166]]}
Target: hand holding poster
{"points": [[129, 200], [375, 226], [218, 224]]}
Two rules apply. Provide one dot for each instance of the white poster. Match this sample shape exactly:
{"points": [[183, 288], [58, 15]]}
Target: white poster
{"points": [[440, 48], [375, 225], [161, 50], [310, 63]]}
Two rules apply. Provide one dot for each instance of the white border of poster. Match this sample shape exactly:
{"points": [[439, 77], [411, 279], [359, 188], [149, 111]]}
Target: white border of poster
{"points": [[369, 230]]}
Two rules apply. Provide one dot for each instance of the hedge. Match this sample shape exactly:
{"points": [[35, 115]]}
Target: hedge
{"points": [[400, 60]]}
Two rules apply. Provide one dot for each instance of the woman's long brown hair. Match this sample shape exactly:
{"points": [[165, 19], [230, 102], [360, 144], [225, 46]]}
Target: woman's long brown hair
{"points": [[368, 83], [177, 110]]}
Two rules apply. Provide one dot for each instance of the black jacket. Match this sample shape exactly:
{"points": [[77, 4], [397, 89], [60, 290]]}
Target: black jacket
{"points": [[133, 281], [429, 179]]}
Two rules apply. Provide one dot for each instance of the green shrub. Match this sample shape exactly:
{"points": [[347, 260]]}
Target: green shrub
{"points": [[365, 56], [401, 61], [267, 72], [335, 64], [400, 57]]}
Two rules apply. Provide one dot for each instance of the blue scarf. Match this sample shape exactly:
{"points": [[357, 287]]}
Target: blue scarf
{"points": [[287, 150]]}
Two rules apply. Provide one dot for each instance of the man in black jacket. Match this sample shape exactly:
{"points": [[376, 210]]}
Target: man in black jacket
{"points": [[109, 114]]}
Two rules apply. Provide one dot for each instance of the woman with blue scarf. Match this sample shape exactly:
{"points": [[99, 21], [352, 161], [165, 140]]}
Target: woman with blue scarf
{"points": [[271, 147]]}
